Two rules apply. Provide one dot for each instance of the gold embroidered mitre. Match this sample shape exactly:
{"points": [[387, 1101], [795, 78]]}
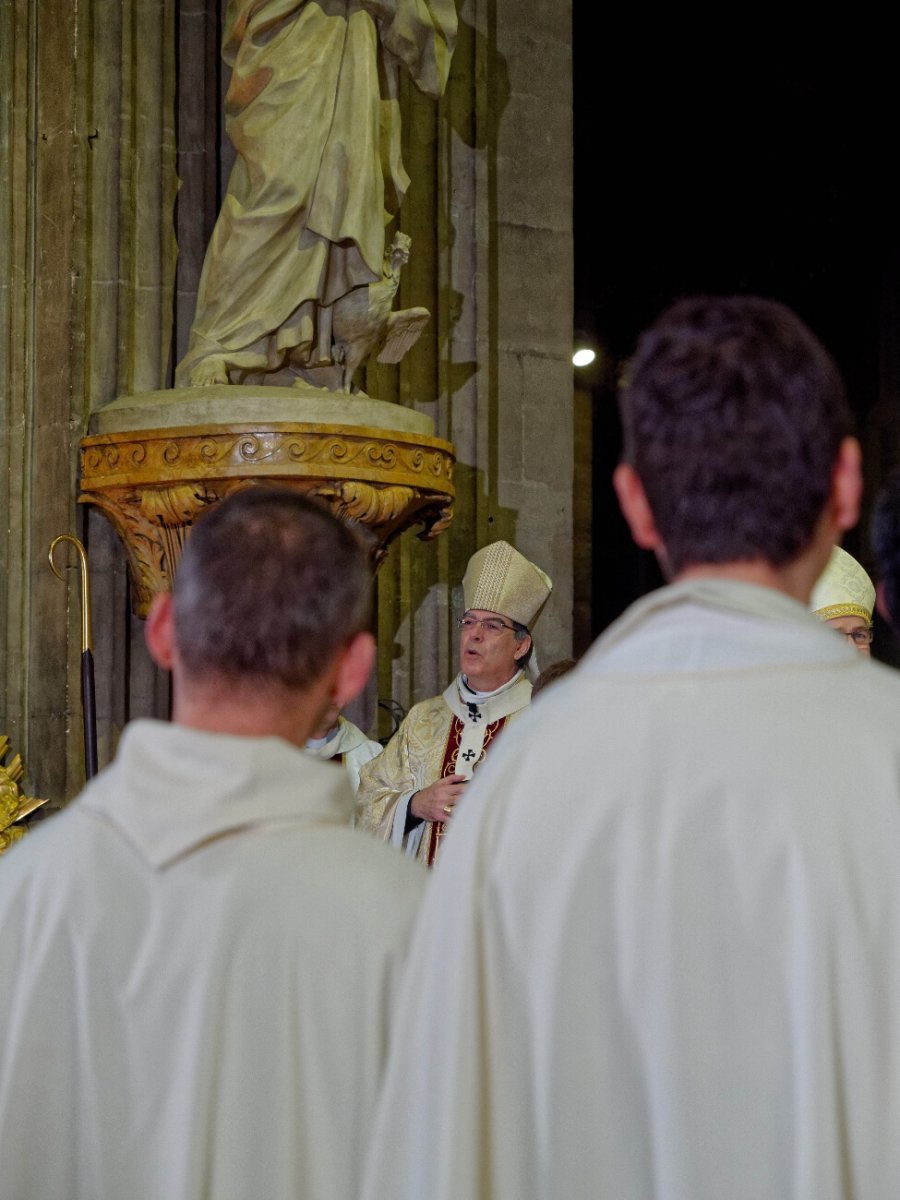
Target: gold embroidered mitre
{"points": [[843, 590], [499, 579]]}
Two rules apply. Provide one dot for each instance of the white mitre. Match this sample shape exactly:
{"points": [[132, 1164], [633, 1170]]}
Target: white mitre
{"points": [[843, 590], [499, 579]]}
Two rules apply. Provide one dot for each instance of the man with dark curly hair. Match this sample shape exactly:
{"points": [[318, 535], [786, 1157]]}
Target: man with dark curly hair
{"points": [[664, 960]]}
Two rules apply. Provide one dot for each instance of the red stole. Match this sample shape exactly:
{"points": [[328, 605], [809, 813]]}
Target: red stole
{"points": [[436, 828]]}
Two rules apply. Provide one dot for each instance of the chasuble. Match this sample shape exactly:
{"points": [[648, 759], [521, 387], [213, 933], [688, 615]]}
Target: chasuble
{"points": [[664, 959], [198, 964]]}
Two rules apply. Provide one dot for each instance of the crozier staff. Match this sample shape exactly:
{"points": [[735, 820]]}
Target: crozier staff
{"points": [[88, 695]]}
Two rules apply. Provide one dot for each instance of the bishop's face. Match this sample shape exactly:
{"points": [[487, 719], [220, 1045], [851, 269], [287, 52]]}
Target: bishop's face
{"points": [[855, 630], [488, 656]]}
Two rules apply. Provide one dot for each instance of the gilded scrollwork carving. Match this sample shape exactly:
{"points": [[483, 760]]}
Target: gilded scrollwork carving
{"points": [[174, 506], [441, 516], [152, 523], [355, 452], [152, 484], [14, 806], [367, 503]]}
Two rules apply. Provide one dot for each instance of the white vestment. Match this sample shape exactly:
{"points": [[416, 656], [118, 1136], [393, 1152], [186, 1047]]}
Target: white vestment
{"points": [[196, 968], [351, 745], [663, 962], [449, 734]]}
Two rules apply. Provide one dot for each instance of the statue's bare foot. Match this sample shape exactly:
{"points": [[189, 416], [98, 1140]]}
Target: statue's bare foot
{"points": [[208, 372], [306, 386]]}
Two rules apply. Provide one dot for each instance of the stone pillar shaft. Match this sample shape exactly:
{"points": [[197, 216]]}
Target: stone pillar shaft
{"points": [[87, 251], [87, 265]]}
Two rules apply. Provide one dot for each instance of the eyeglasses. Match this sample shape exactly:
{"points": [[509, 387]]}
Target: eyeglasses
{"points": [[859, 637], [491, 625]]}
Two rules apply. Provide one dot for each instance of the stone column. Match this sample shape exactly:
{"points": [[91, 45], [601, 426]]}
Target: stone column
{"points": [[87, 257], [41, 413], [490, 214], [87, 162]]}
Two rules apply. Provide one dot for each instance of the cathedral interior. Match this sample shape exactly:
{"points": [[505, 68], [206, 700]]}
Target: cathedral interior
{"points": [[574, 177]]}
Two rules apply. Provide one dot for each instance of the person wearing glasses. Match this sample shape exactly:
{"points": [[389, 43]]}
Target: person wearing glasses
{"points": [[408, 794], [844, 598]]}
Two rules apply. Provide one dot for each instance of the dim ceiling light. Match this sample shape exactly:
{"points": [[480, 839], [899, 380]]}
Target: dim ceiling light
{"points": [[583, 357]]}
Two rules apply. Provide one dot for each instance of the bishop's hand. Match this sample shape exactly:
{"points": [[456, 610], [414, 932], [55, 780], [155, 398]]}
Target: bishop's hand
{"points": [[437, 801]]}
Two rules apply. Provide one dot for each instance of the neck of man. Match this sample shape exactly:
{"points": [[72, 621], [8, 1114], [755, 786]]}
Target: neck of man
{"points": [[250, 708], [796, 579], [469, 685]]}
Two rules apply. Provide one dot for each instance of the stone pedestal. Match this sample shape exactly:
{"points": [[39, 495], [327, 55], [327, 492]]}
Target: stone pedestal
{"points": [[153, 462]]}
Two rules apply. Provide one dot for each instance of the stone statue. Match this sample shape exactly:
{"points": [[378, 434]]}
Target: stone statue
{"points": [[296, 277], [363, 323]]}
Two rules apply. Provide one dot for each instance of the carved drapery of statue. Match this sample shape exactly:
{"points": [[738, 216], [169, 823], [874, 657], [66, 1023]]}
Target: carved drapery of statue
{"points": [[313, 112]]}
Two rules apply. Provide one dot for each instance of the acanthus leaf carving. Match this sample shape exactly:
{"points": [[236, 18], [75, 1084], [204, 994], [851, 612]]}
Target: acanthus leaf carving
{"points": [[152, 484]]}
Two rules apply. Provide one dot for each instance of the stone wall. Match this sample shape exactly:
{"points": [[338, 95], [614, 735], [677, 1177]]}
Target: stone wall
{"points": [[499, 362], [87, 174], [92, 309], [38, 359]]}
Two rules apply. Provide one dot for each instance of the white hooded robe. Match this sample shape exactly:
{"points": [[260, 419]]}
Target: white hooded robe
{"points": [[663, 962], [197, 967]]}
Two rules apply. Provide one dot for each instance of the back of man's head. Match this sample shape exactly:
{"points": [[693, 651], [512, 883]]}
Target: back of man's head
{"points": [[733, 416], [270, 587]]}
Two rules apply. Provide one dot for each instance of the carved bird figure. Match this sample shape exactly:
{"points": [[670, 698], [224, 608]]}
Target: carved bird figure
{"points": [[363, 323]]}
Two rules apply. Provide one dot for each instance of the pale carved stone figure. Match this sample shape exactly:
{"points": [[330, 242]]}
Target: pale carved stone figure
{"points": [[313, 112]]}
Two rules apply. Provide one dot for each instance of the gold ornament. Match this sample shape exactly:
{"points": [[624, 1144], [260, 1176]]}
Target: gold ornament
{"points": [[153, 483], [13, 805]]}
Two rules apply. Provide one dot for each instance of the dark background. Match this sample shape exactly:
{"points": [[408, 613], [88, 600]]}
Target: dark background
{"points": [[726, 162]]}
